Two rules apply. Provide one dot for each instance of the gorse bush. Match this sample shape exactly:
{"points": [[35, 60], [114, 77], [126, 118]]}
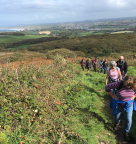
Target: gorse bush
{"points": [[59, 60], [63, 52], [80, 53]]}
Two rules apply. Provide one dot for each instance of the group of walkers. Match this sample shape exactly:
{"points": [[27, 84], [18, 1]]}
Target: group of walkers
{"points": [[103, 65], [121, 88]]}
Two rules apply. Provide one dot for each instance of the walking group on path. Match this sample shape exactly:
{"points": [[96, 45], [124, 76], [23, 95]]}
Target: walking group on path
{"points": [[121, 88]]}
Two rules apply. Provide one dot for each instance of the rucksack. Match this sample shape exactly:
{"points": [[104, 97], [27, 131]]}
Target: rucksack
{"points": [[93, 61]]}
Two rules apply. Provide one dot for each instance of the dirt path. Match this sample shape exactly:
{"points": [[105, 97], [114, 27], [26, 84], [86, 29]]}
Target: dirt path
{"points": [[119, 134]]}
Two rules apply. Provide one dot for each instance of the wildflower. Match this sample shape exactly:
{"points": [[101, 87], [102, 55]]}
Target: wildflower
{"points": [[58, 103]]}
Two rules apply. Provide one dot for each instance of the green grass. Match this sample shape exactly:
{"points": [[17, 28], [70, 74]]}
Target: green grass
{"points": [[48, 102], [10, 39], [21, 47], [31, 32], [90, 33]]}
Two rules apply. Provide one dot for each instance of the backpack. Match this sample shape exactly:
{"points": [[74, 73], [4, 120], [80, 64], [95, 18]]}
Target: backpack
{"points": [[93, 61]]}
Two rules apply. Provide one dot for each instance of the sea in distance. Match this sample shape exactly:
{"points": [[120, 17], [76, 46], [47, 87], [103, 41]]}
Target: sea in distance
{"points": [[9, 30]]}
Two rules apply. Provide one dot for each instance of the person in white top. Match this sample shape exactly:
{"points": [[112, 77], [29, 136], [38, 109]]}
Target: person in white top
{"points": [[101, 65]]}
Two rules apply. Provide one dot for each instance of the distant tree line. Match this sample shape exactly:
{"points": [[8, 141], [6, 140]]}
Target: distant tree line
{"points": [[12, 33]]}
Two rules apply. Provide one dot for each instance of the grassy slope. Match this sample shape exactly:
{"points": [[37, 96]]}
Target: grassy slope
{"points": [[70, 103], [11, 39]]}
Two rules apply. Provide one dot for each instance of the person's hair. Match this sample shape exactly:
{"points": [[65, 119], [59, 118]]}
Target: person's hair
{"points": [[105, 60], [129, 82], [113, 63]]}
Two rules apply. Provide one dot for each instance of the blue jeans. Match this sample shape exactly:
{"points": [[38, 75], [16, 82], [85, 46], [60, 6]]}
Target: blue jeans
{"points": [[113, 91], [94, 68], [101, 70], [128, 118], [82, 67], [105, 69]]}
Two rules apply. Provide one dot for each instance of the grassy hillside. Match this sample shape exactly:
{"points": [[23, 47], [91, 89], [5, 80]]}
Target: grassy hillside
{"points": [[95, 45], [55, 103], [11, 39]]}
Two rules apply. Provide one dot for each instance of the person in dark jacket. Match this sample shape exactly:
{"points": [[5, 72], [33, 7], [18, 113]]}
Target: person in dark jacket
{"points": [[122, 64], [86, 65], [105, 66]]}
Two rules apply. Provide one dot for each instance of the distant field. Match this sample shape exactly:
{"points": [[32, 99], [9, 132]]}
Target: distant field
{"points": [[10, 39], [89, 33], [21, 47], [31, 32], [122, 32], [44, 32]]}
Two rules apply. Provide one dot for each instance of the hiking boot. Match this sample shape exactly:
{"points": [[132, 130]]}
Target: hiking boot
{"points": [[126, 136], [116, 126]]}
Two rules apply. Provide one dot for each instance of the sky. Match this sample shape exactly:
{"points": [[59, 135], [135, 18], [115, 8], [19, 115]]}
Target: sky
{"points": [[27, 12]]}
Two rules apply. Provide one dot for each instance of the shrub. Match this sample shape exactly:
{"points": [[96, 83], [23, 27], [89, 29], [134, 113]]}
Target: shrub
{"points": [[107, 52], [63, 52], [88, 55], [58, 59], [80, 54]]}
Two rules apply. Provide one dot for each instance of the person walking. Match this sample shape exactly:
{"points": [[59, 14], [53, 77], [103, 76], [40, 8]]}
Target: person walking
{"points": [[88, 65], [122, 64], [123, 100], [105, 66], [95, 64], [113, 74], [82, 64], [101, 65]]}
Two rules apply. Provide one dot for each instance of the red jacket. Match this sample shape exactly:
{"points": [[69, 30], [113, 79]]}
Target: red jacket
{"points": [[83, 63]]}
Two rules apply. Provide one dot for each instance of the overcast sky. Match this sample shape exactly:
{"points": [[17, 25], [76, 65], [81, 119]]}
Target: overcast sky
{"points": [[17, 12]]}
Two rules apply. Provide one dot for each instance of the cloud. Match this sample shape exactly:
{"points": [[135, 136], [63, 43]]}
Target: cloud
{"points": [[65, 10]]}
